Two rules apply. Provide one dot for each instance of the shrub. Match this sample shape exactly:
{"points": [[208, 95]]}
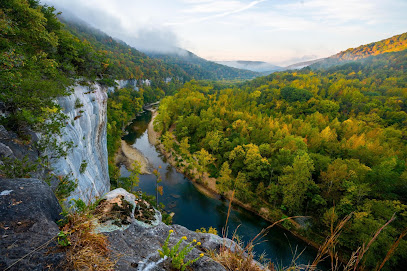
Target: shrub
{"points": [[210, 230], [16, 168], [85, 249], [65, 186]]}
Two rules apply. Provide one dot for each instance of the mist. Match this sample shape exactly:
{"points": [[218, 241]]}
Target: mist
{"points": [[144, 37]]}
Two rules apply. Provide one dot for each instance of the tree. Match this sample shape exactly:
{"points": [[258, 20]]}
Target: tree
{"points": [[212, 139], [158, 189], [135, 172], [184, 147], [168, 141], [295, 181], [224, 183], [204, 159]]}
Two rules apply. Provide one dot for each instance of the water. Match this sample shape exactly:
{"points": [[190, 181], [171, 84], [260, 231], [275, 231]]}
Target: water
{"points": [[194, 209]]}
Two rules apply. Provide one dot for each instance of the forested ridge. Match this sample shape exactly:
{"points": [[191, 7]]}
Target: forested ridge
{"points": [[394, 44], [319, 143]]}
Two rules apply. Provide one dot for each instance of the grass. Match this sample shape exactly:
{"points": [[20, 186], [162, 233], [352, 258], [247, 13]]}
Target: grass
{"points": [[85, 249]]}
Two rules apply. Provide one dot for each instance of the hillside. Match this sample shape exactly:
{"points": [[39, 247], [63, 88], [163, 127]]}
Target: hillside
{"points": [[394, 44], [122, 60], [201, 69]]}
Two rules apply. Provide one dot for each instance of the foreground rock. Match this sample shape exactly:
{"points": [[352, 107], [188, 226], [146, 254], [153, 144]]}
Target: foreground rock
{"points": [[28, 215], [136, 245], [28, 212]]}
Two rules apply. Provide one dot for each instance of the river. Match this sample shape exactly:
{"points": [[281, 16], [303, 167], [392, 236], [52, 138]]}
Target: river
{"points": [[194, 209]]}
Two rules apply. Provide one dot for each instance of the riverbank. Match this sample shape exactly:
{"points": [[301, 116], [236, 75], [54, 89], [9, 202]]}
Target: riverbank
{"points": [[204, 183], [207, 185], [127, 155]]}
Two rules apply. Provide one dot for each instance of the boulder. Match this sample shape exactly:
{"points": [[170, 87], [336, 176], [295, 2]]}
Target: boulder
{"points": [[137, 247], [28, 214], [136, 244]]}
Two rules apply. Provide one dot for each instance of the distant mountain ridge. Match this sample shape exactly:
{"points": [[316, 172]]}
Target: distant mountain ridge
{"points": [[200, 68], [256, 66], [303, 64], [394, 44]]}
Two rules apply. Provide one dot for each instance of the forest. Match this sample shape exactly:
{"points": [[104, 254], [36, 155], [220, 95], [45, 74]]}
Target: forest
{"points": [[323, 143]]}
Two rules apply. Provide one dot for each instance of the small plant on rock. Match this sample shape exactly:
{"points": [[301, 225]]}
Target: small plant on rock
{"points": [[178, 255], [209, 230], [83, 166], [78, 103]]}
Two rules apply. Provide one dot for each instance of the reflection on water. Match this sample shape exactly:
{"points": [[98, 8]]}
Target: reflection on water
{"points": [[195, 210]]}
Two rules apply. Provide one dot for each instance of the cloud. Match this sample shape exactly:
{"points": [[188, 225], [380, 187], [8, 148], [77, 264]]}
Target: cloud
{"points": [[144, 36], [274, 31], [225, 7]]}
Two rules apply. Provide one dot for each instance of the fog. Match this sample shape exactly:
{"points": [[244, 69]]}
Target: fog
{"points": [[144, 37]]}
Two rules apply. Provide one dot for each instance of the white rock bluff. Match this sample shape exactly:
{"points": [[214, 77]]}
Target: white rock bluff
{"points": [[86, 128]]}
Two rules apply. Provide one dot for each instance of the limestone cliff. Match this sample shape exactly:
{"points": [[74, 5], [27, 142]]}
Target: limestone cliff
{"points": [[86, 109]]}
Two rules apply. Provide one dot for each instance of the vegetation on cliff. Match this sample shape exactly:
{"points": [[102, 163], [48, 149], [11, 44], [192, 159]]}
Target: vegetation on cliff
{"points": [[39, 61]]}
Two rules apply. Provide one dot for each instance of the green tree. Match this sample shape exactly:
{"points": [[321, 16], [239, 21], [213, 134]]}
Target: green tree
{"points": [[204, 158], [224, 182], [168, 141], [295, 181], [184, 147], [135, 172]]}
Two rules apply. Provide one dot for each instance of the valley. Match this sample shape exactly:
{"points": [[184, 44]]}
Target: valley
{"points": [[114, 157]]}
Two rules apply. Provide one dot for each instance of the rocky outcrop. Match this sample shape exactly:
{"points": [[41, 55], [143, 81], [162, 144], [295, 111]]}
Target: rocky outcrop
{"points": [[138, 243], [130, 83], [28, 212], [86, 109], [28, 229]]}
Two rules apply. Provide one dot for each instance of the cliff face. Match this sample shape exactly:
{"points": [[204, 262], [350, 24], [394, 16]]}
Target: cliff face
{"points": [[86, 109], [130, 83]]}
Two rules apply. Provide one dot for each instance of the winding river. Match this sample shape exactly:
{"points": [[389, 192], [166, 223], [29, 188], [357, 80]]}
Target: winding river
{"points": [[194, 209]]}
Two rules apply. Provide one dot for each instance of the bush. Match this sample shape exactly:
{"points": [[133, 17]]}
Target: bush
{"points": [[15, 168], [65, 187]]}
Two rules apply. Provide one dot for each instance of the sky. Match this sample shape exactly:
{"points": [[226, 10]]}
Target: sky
{"points": [[281, 32]]}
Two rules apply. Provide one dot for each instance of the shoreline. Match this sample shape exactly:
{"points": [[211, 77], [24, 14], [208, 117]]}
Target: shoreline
{"points": [[127, 155], [208, 185]]}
